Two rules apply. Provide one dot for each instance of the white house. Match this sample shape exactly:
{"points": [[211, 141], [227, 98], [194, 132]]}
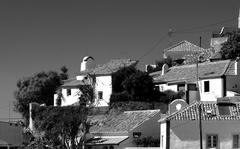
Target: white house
{"points": [[118, 131], [216, 79], [219, 124], [100, 77]]}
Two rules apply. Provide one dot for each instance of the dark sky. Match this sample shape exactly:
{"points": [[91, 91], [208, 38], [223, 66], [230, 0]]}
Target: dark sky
{"points": [[45, 35]]}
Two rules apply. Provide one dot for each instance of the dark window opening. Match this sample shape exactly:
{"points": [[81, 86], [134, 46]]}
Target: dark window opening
{"points": [[235, 141], [223, 110], [206, 86], [100, 95], [212, 141], [157, 88], [181, 87], [192, 87], [69, 92]]}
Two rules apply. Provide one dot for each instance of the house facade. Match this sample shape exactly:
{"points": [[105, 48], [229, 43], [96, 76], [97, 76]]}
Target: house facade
{"points": [[119, 131], [219, 125], [99, 77], [215, 79]]}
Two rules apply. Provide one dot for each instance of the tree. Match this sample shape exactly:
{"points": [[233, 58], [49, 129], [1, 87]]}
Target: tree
{"points": [[38, 88], [65, 126], [139, 85], [120, 76], [231, 48]]}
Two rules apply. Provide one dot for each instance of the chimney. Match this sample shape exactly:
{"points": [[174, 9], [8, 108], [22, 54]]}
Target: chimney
{"points": [[86, 64], [164, 69]]}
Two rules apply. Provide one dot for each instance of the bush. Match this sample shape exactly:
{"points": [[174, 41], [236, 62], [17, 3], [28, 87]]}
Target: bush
{"points": [[123, 96]]}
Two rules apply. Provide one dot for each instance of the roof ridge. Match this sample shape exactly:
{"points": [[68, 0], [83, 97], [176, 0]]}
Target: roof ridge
{"points": [[172, 46], [199, 64], [141, 111]]}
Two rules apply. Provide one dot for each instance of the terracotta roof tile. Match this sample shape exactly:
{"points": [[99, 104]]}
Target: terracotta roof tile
{"points": [[187, 73], [191, 112], [120, 123], [110, 67], [182, 49], [73, 82]]}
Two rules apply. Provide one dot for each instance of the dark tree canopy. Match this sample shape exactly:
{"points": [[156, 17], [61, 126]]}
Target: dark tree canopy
{"points": [[120, 76], [139, 85], [65, 127], [39, 88], [231, 48]]}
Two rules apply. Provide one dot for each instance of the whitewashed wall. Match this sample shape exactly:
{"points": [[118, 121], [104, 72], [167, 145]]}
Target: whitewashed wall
{"points": [[71, 99], [216, 89], [163, 135], [164, 87], [104, 84]]}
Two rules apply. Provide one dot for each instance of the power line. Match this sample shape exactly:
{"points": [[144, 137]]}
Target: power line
{"points": [[188, 30], [204, 26], [153, 47]]}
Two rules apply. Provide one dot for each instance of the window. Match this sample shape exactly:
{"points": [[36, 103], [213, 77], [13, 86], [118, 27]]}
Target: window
{"points": [[223, 110], [100, 94], [105, 147], [212, 141], [206, 86], [111, 147], [181, 87], [157, 88], [236, 141], [68, 92]]}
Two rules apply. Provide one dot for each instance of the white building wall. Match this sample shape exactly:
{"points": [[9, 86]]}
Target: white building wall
{"points": [[69, 99], [216, 87], [104, 84], [163, 135], [164, 87]]}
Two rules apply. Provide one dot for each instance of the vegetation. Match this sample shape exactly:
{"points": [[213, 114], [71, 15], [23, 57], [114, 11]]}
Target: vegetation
{"points": [[120, 76], [64, 127], [130, 84], [38, 88], [231, 48]]}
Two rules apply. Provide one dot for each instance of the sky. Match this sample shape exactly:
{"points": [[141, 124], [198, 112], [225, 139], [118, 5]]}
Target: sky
{"points": [[44, 35]]}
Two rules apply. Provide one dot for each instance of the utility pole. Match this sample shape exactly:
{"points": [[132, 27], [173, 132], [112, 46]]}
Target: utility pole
{"points": [[199, 106]]}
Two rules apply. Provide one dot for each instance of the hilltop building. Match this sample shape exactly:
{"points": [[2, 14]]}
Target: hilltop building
{"points": [[99, 77]]}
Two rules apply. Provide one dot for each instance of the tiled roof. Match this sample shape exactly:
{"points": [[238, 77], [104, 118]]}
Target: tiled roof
{"points": [[110, 67], [209, 112], [187, 73], [182, 49], [73, 82], [120, 123]]}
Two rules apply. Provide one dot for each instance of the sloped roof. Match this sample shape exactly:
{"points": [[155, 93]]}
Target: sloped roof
{"points": [[187, 73], [73, 82], [120, 123], [182, 49], [110, 67], [191, 112]]}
